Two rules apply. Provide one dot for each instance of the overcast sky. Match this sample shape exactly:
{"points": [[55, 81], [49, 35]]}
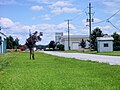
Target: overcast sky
{"points": [[48, 16]]}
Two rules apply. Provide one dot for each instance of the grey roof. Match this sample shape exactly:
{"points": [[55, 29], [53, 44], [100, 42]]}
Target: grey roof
{"points": [[76, 36], [105, 38]]}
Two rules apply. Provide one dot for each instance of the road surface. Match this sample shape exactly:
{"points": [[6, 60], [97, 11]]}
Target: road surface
{"points": [[112, 60]]}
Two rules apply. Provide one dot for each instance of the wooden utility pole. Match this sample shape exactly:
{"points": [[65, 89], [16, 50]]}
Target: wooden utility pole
{"points": [[90, 20], [68, 22]]}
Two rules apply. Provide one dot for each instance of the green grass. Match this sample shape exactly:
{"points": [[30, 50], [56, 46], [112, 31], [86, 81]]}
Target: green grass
{"points": [[114, 53], [49, 72]]}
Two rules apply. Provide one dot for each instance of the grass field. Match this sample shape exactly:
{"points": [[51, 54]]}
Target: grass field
{"points": [[114, 53], [48, 72]]}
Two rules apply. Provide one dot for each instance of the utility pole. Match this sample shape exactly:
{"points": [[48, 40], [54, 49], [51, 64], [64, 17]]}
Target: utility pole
{"points": [[68, 22], [90, 20]]}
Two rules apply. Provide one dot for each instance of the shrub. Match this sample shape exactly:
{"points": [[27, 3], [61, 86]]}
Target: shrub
{"points": [[60, 47]]}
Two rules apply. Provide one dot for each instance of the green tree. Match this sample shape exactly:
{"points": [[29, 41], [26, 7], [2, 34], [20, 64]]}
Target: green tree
{"points": [[16, 43], [52, 44], [97, 32], [116, 42], [83, 43], [31, 41], [60, 47], [10, 42]]}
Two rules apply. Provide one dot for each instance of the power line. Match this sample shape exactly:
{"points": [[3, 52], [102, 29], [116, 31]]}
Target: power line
{"points": [[78, 14], [100, 22], [113, 14], [113, 25], [107, 18]]}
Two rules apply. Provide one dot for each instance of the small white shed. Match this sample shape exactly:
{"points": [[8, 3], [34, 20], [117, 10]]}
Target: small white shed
{"points": [[105, 44]]}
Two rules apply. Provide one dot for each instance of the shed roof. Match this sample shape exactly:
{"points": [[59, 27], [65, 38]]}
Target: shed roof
{"points": [[105, 38]]}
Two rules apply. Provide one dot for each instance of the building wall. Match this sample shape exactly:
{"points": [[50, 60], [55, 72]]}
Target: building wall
{"points": [[74, 44], [3, 45], [102, 48], [58, 37]]}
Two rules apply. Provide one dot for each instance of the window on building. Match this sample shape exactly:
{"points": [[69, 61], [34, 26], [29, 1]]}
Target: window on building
{"points": [[105, 44]]}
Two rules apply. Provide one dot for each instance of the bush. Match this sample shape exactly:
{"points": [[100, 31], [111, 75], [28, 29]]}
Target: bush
{"points": [[60, 47], [116, 48]]}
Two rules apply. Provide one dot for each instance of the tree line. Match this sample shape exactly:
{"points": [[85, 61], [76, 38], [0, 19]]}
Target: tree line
{"points": [[12, 43]]}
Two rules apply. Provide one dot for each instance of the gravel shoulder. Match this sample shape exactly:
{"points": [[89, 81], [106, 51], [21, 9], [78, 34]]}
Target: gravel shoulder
{"points": [[112, 60]]}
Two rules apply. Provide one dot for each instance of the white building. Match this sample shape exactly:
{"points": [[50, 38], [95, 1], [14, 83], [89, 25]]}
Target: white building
{"points": [[105, 44], [74, 41], [58, 36], [2, 43]]}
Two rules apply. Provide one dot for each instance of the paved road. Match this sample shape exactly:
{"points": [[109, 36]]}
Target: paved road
{"points": [[112, 60]]}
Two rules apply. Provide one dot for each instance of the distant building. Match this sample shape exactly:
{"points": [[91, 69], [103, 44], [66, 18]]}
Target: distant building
{"points": [[58, 36], [105, 44], [2, 43], [74, 41]]}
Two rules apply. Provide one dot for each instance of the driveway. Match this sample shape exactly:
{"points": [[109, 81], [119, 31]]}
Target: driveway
{"points": [[112, 60]]}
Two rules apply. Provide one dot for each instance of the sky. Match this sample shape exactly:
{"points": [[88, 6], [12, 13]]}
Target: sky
{"points": [[18, 17]]}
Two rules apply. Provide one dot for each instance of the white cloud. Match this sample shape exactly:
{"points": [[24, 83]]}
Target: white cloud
{"points": [[61, 7], [44, 17], [37, 8], [22, 31], [39, 1], [111, 3], [6, 23], [6, 2], [61, 4], [96, 20], [58, 10]]}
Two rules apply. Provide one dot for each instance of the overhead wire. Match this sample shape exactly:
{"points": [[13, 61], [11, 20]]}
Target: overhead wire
{"points": [[113, 25], [108, 20], [78, 14]]}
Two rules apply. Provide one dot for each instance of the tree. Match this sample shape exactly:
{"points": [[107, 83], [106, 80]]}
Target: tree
{"points": [[52, 45], [31, 41], [10, 42], [60, 47], [83, 43], [16, 43], [116, 42], [95, 33]]}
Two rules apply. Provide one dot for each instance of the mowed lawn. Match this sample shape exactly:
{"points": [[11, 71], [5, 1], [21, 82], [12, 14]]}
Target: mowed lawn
{"points": [[49, 72]]}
